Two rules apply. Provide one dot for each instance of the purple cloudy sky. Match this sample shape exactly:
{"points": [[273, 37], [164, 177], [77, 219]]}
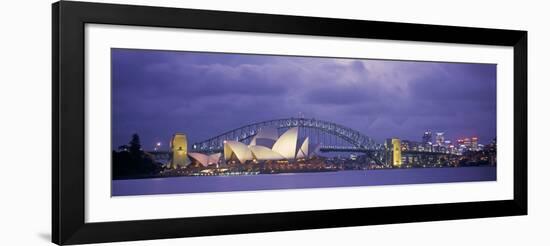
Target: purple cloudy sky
{"points": [[157, 93]]}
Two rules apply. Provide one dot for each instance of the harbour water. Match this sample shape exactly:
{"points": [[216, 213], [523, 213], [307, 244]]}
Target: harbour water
{"points": [[176, 185]]}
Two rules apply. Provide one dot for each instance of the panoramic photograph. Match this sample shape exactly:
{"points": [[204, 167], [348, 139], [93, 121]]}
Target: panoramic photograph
{"points": [[197, 122]]}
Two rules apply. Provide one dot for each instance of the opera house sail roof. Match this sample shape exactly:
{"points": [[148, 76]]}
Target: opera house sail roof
{"points": [[264, 153], [302, 152], [238, 150], [205, 160], [267, 145], [286, 144]]}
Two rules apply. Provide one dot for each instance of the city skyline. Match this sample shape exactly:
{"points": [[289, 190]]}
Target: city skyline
{"points": [[158, 93]]}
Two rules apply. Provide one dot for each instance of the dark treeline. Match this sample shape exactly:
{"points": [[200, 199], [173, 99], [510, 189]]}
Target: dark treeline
{"points": [[131, 162]]}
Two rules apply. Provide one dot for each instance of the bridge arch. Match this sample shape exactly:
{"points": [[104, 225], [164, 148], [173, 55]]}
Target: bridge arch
{"points": [[245, 133]]}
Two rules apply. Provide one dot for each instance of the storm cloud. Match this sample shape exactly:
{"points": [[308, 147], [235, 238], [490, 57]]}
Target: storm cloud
{"points": [[157, 93]]}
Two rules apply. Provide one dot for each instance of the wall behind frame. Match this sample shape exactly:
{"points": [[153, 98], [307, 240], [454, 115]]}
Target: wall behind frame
{"points": [[25, 97]]}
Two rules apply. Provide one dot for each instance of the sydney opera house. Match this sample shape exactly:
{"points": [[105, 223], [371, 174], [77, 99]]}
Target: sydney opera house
{"points": [[266, 145]]}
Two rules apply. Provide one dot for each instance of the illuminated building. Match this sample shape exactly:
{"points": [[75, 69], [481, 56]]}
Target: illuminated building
{"points": [[427, 137], [205, 160], [264, 153], [459, 147], [474, 143], [405, 145], [266, 145], [393, 152], [178, 147], [302, 152], [435, 148], [467, 143], [439, 138], [236, 150], [396, 143], [452, 149], [286, 144]]}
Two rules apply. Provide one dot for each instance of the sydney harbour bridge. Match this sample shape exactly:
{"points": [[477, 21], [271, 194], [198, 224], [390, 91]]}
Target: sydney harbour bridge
{"points": [[328, 136], [324, 136]]}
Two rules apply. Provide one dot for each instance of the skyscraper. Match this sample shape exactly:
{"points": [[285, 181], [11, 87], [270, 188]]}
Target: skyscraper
{"points": [[474, 143], [427, 137], [468, 143], [440, 138]]}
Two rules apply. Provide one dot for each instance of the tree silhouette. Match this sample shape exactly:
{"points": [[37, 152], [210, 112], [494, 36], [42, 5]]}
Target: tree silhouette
{"points": [[135, 146], [131, 162]]}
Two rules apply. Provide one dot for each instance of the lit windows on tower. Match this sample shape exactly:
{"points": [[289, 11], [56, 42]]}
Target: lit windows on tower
{"points": [[396, 147], [475, 143], [439, 138], [427, 137], [468, 143]]}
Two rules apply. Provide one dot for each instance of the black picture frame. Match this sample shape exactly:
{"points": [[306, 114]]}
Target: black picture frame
{"points": [[68, 172]]}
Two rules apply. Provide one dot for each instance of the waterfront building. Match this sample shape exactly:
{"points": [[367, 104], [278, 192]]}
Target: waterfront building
{"points": [[436, 148], [405, 145], [302, 152], [453, 149], [178, 147], [235, 150], [396, 143], [205, 160], [287, 143], [393, 152], [267, 145], [264, 153]]}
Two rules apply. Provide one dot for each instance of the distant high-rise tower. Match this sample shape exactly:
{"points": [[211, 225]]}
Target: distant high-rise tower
{"points": [[474, 143], [468, 143], [178, 146], [427, 137], [440, 138]]}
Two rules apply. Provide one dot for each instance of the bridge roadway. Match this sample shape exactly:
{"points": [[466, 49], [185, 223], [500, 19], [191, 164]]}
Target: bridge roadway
{"points": [[166, 154], [362, 150]]}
